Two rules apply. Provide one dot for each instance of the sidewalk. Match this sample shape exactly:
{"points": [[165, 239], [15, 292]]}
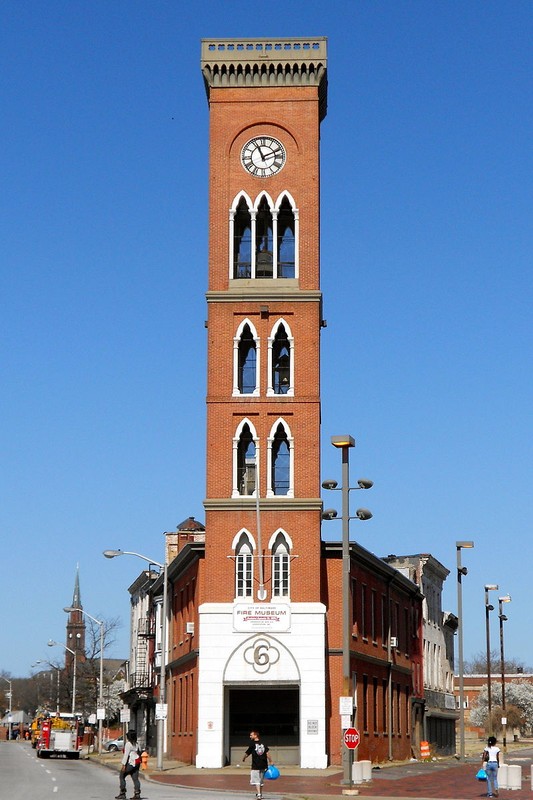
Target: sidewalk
{"points": [[445, 779]]}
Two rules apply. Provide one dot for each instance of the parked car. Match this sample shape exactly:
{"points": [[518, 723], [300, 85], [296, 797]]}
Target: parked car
{"points": [[114, 745]]}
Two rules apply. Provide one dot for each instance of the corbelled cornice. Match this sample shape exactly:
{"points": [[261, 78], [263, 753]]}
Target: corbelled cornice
{"points": [[230, 63]]}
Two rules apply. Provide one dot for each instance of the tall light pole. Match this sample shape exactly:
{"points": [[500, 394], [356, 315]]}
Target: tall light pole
{"points": [[501, 600], [162, 679], [460, 572], [344, 443], [68, 610], [10, 722], [489, 587], [51, 643], [58, 670]]}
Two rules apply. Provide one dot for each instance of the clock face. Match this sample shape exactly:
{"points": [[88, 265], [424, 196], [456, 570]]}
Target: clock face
{"points": [[263, 156]]}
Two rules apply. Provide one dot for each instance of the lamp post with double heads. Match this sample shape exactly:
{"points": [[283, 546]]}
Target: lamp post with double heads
{"points": [[344, 443], [51, 643], [489, 587], [68, 610], [162, 679], [10, 720], [460, 572], [501, 600]]}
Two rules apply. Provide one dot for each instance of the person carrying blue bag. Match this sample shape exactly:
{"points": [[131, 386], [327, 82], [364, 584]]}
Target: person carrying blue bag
{"points": [[260, 761], [491, 763]]}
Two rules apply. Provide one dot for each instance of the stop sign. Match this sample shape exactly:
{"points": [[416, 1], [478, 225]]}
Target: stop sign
{"points": [[351, 738]]}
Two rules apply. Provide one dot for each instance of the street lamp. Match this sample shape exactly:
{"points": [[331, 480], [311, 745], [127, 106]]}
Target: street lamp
{"points": [[68, 610], [10, 695], [58, 669], [344, 443], [51, 643], [489, 587], [460, 572], [501, 600], [162, 679]]}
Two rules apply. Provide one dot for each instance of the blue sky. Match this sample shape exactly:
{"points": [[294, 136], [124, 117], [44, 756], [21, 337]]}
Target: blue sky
{"points": [[426, 273]]}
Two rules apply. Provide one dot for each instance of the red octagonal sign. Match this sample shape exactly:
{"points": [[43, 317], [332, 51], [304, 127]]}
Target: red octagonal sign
{"points": [[351, 738]]}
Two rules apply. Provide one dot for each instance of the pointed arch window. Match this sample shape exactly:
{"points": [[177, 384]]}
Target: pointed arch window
{"points": [[281, 361], [242, 241], [246, 361], [280, 566], [264, 241], [263, 237], [280, 481], [286, 240], [244, 570], [246, 462]]}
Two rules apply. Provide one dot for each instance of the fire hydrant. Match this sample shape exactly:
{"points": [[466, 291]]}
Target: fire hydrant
{"points": [[144, 760]]}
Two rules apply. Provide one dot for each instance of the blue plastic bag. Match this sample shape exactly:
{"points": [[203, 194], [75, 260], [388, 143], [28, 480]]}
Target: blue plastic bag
{"points": [[272, 773], [481, 775]]}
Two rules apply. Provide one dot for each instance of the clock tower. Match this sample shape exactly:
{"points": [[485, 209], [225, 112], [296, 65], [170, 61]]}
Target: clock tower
{"points": [[262, 620]]}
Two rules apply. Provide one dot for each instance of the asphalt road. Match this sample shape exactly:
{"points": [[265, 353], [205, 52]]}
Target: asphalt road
{"points": [[24, 776]]}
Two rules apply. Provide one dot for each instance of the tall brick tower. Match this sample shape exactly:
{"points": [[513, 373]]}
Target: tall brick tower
{"points": [[262, 654], [75, 638]]}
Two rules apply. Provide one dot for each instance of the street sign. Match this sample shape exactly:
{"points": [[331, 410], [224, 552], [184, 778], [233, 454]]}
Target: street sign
{"points": [[351, 738], [345, 705]]}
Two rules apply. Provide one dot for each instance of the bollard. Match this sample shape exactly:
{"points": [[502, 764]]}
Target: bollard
{"points": [[366, 767], [357, 772], [144, 760], [503, 776], [514, 776]]}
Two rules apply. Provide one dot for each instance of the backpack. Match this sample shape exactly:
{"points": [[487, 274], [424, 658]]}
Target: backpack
{"points": [[134, 758]]}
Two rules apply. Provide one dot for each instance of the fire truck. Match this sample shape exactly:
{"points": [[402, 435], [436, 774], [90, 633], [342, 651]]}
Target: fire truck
{"points": [[59, 736]]}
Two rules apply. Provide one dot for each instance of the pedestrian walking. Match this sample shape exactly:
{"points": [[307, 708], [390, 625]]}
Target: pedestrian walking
{"points": [[491, 764], [260, 761], [131, 761]]}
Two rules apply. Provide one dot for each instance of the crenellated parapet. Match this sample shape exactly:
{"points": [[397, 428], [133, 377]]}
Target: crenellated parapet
{"points": [[231, 63]]}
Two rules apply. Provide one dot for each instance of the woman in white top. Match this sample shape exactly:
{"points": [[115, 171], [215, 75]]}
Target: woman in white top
{"points": [[130, 766], [491, 762]]}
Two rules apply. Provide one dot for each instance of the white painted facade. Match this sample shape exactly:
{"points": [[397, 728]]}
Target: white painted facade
{"points": [[280, 654]]}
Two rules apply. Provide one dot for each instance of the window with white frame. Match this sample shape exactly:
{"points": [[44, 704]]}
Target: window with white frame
{"points": [[280, 547], [263, 237], [280, 360], [244, 570], [244, 460], [280, 461], [246, 360], [241, 220]]}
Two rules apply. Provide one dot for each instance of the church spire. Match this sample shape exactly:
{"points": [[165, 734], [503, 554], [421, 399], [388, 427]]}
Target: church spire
{"points": [[75, 626], [76, 597]]}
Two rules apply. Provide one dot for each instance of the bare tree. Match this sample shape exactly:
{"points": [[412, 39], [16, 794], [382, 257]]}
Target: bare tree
{"points": [[477, 665]]}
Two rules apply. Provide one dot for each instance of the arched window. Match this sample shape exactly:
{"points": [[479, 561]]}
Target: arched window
{"points": [[242, 241], [280, 462], [263, 237], [281, 361], [244, 570], [246, 362], [264, 241], [280, 566], [246, 462], [286, 241]]}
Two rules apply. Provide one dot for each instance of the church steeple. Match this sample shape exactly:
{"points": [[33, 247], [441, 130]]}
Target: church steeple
{"points": [[75, 639]]}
